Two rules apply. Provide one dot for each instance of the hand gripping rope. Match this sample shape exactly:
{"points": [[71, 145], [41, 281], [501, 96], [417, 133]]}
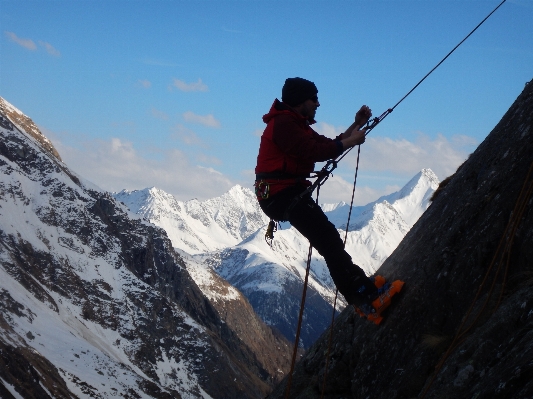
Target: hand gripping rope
{"points": [[322, 177]]}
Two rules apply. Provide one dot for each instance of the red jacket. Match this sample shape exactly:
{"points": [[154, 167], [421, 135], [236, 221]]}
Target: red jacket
{"points": [[290, 147]]}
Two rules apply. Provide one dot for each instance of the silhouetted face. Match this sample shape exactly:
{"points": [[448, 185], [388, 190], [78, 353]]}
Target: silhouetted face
{"points": [[308, 108]]}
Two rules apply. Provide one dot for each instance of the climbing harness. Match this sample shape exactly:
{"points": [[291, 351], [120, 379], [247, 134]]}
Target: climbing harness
{"points": [[322, 177]]}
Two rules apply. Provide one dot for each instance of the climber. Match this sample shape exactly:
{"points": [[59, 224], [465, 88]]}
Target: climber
{"points": [[287, 154]]}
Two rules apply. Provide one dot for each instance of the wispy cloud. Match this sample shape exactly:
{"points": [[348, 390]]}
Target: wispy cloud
{"points": [[193, 86], [29, 44], [328, 130], [188, 136], [50, 49], [394, 161], [337, 189], [404, 158], [206, 120], [26, 43], [116, 164], [144, 83]]}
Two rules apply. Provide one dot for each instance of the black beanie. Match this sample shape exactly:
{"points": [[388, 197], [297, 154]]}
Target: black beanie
{"points": [[297, 90]]}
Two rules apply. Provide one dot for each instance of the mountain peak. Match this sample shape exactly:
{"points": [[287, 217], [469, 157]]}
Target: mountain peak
{"points": [[26, 126]]}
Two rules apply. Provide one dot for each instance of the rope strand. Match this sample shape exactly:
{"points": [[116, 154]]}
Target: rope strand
{"points": [[337, 291]]}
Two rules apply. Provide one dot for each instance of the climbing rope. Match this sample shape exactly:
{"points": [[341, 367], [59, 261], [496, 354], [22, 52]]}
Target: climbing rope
{"points": [[322, 177], [300, 316], [330, 339]]}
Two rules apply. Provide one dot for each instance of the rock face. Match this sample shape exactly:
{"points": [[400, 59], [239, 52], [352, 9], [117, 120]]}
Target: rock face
{"points": [[463, 327], [95, 302]]}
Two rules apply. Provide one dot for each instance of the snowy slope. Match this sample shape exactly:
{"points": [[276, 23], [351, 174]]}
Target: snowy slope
{"points": [[376, 229], [38, 210], [194, 226], [95, 302]]}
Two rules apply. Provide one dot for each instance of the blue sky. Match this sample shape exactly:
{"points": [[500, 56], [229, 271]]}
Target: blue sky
{"points": [[171, 94]]}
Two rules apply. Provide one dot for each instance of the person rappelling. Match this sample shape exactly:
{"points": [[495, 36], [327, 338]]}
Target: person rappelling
{"points": [[287, 155]]}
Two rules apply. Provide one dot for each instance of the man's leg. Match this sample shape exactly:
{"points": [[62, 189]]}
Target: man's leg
{"points": [[309, 219]]}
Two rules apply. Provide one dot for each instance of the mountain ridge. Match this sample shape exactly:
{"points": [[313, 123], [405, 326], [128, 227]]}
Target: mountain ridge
{"points": [[96, 302]]}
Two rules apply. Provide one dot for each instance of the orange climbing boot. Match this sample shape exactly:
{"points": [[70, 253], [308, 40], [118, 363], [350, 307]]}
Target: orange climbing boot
{"points": [[379, 282], [372, 311]]}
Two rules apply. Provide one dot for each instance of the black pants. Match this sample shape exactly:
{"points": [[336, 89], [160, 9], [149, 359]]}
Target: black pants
{"points": [[309, 219]]}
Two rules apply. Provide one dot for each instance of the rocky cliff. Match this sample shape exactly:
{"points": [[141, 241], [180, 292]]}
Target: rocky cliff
{"points": [[463, 326]]}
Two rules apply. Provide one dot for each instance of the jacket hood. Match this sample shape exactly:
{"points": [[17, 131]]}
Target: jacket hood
{"points": [[280, 108]]}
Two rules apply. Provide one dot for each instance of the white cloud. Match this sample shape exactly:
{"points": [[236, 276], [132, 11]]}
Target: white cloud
{"points": [[26, 43], [50, 49], [30, 44], [387, 164], [194, 86], [206, 120], [336, 189], [328, 130], [401, 157], [115, 164]]}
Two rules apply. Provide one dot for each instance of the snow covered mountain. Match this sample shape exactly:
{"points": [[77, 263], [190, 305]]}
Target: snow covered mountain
{"points": [[197, 227], [376, 229], [95, 302], [228, 234]]}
